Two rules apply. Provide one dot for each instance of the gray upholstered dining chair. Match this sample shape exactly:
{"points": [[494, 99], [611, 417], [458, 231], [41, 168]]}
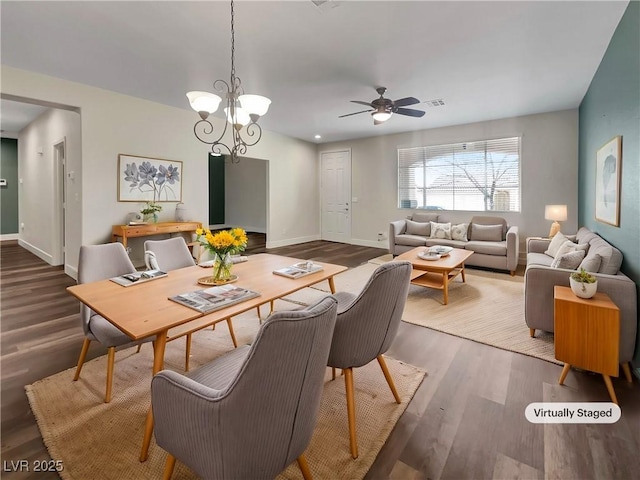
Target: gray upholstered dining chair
{"points": [[252, 411], [367, 324], [99, 262]]}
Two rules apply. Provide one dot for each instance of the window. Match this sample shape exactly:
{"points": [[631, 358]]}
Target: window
{"points": [[475, 176]]}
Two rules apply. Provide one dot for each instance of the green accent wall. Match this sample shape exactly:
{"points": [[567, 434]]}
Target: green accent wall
{"points": [[9, 194], [216, 190], [611, 107]]}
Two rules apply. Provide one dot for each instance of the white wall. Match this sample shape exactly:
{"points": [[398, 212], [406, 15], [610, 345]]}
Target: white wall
{"points": [[246, 194], [113, 123], [37, 187], [549, 171]]}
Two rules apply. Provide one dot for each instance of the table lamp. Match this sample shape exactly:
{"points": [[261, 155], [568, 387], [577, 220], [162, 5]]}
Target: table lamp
{"points": [[557, 213]]}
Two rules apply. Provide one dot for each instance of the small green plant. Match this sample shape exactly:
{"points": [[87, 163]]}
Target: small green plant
{"points": [[583, 276], [151, 209]]}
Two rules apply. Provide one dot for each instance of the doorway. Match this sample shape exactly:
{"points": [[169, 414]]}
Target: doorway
{"points": [[60, 201], [335, 191]]}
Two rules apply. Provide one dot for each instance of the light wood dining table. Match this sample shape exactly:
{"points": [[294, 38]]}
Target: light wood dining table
{"points": [[144, 310]]}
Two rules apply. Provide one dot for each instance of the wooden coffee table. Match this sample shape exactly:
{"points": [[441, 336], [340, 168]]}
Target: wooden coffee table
{"points": [[436, 273]]}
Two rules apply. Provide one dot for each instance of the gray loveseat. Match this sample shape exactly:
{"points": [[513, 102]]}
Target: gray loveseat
{"points": [[540, 278], [494, 243]]}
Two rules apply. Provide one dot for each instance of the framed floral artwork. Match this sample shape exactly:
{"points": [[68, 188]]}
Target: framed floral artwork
{"points": [[608, 163], [144, 179]]}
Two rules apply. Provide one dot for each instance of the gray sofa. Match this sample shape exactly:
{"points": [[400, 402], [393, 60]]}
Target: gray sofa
{"points": [[493, 247], [540, 278]]}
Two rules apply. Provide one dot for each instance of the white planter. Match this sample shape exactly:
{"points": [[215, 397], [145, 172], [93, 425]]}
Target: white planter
{"points": [[583, 290]]}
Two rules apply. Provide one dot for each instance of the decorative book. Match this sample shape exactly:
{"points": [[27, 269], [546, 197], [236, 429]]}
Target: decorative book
{"points": [[298, 270], [214, 298], [136, 278]]}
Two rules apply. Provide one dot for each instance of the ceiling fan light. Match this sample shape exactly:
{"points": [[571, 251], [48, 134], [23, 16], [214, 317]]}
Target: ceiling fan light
{"points": [[381, 116], [254, 104], [204, 101], [238, 117]]}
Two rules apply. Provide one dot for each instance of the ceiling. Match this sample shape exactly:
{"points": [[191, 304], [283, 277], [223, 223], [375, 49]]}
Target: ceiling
{"points": [[486, 60]]}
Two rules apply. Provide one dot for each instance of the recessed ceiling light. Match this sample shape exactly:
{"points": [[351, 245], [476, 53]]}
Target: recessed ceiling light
{"points": [[317, 137]]}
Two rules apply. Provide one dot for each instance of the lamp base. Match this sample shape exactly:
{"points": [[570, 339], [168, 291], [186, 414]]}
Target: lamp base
{"points": [[555, 228]]}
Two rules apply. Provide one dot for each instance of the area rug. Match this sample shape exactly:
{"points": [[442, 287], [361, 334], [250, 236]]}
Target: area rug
{"points": [[488, 308], [102, 441]]}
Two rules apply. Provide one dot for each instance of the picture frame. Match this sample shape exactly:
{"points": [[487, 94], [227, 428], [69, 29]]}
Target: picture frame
{"points": [[147, 179], [608, 165]]}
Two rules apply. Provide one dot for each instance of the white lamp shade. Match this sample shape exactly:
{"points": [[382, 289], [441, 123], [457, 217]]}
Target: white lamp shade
{"points": [[240, 117], [382, 116], [254, 104], [204, 101], [555, 212]]}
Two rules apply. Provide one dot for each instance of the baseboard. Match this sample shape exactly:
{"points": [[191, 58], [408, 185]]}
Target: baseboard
{"points": [[371, 243], [292, 241], [72, 272], [9, 236], [36, 251]]}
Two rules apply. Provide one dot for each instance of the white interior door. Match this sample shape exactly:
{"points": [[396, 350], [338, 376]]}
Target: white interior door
{"points": [[336, 196]]}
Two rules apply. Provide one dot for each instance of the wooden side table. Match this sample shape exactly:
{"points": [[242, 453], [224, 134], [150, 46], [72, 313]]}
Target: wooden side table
{"points": [[587, 334], [130, 231]]}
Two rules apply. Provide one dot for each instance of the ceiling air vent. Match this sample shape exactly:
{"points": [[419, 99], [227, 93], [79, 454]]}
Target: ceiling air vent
{"points": [[438, 102]]}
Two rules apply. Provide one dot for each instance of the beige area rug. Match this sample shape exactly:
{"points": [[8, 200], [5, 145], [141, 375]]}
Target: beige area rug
{"points": [[102, 441], [488, 308]]}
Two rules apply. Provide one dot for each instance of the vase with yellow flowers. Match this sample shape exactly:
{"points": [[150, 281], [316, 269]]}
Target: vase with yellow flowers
{"points": [[222, 244]]}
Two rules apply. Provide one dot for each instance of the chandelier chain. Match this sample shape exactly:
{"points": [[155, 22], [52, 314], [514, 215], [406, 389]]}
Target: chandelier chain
{"points": [[233, 47]]}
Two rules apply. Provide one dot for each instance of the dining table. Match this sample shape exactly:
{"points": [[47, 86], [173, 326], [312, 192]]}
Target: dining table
{"points": [[145, 309]]}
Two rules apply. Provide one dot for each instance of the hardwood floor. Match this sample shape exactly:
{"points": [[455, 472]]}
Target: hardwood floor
{"points": [[466, 420]]}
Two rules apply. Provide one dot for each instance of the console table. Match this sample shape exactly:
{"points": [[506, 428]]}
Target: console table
{"points": [[129, 231], [587, 334]]}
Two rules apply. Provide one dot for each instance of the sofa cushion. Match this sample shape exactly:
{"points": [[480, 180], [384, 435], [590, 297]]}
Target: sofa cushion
{"points": [[556, 242], [459, 232], [410, 240], [569, 260], [440, 230], [591, 262], [424, 217], [448, 243], [486, 233], [585, 235], [487, 248], [485, 220], [611, 258], [539, 259], [418, 228]]}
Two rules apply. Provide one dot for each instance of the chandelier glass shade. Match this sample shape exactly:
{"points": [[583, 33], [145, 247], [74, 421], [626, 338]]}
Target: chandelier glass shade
{"points": [[381, 115], [242, 111]]}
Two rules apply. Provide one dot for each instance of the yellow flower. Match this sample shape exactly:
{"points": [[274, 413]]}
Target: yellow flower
{"points": [[199, 231], [226, 241]]}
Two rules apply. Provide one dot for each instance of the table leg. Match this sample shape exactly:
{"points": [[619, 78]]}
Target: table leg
{"points": [[464, 280], [332, 286], [445, 287], [612, 393], [563, 375], [158, 364]]}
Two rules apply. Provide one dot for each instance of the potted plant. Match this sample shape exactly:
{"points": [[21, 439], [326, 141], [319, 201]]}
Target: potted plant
{"points": [[583, 284], [150, 211]]}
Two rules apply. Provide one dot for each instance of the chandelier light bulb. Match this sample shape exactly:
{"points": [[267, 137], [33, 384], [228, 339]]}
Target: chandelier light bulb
{"points": [[254, 104], [204, 101], [381, 116], [238, 116]]}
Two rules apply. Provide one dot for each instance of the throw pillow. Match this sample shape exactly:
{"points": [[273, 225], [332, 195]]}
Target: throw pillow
{"points": [[569, 260], [486, 233], [440, 230], [566, 247], [591, 263], [418, 228], [459, 232], [556, 242]]}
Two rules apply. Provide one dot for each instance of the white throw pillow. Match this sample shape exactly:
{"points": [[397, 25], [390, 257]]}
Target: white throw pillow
{"points": [[566, 247], [569, 260], [440, 230], [556, 242], [459, 232]]}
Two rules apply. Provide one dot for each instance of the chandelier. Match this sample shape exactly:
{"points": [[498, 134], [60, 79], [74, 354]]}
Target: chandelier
{"points": [[242, 112]]}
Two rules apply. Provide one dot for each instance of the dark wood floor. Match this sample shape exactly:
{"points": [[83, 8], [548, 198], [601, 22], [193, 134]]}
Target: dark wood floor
{"points": [[465, 422]]}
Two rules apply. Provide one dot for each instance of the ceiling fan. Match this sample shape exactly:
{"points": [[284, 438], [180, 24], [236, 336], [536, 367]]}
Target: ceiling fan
{"points": [[383, 108]]}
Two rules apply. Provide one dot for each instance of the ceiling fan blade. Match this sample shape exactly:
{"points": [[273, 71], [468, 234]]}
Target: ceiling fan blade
{"points": [[361, 103], [354, 113], [404, 102], [409, 112]]}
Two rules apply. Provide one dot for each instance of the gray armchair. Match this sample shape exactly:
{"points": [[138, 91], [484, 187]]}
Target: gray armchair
{"points": [[367, 324], [99, 262], [251, 412]]}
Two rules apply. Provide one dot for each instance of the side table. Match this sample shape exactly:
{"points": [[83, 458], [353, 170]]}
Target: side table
{"points": [[587, 334]]}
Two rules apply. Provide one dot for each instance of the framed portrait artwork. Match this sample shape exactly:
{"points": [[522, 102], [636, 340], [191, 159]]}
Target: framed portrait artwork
{"points": [[608, 163], [144, 179]]}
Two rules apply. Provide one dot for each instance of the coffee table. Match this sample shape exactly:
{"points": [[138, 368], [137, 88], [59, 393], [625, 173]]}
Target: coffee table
{"points": [[436, 273]]}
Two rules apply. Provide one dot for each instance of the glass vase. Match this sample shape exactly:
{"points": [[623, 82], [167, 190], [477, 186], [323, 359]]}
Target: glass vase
{"points": [[222, 268]]}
